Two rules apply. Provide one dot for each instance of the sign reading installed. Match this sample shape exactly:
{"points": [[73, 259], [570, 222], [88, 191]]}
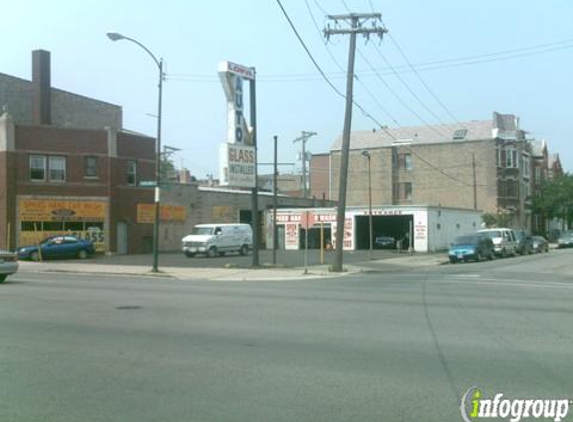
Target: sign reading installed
{"points": [[237, 155]]}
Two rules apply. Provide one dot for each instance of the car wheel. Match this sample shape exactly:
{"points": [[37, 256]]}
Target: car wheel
{"points": [[189, 254], [244, 250], [452, 261], [3, 277], [35, 256], [82, 254], [491, 255], [212, 252]]}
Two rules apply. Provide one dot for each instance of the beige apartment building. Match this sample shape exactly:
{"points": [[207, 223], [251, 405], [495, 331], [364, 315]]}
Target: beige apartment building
{"points": [[483, 165]]}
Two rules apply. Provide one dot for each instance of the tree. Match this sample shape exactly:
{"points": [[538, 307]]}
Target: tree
{"points": [[489, 219], [555, 199], [168, 171]]}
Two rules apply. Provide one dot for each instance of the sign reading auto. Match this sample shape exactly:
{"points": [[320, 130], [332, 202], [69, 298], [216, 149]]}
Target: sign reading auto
{"points": [[237, 156]]}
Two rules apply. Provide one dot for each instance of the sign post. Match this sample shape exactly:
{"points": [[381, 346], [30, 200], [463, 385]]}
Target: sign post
{"points": [[306, 222]]}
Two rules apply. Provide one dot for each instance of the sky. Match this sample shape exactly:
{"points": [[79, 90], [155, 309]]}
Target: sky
{"points": [[476, 57]]}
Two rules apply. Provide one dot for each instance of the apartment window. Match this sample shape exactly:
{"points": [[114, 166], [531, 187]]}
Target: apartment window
{"points": [[90, 166], [408, 191], [402, 191], [38, 167], [406, 161], [526, 165], [57, 168], [511, 158], [537, 171], [132, 173]]}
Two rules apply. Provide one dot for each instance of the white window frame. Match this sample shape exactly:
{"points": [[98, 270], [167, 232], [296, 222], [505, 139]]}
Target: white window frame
{"points": [[56, 174], [44, 167], [87, 167]]}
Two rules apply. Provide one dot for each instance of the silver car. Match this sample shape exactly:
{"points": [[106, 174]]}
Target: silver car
{"points": [[8, 264]]}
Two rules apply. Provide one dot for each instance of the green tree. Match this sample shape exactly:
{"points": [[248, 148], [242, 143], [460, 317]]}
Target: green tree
{"points": [[489, 219], [555, 199], [168, 170]]}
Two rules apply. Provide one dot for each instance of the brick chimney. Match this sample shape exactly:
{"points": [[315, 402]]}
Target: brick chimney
{"points": [[42, 99]]}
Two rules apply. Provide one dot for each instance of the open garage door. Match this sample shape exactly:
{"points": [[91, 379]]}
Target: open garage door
{"points": [[395, 226]]}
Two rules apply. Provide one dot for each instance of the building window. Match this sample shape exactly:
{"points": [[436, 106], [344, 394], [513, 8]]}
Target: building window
{"points": [[90, 167], [526, 165], [38, 167], [408, 191], [460, 134], [132, 173], [406, 161], [537, 175], [511, 158], [57, 168]]}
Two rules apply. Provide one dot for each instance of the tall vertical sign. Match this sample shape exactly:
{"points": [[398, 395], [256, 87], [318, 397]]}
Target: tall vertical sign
{"points": [[237, 155]]}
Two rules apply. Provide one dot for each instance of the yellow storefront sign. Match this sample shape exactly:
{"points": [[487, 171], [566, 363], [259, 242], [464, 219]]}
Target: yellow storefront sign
{"points": [[146, 213], [57, 210]]}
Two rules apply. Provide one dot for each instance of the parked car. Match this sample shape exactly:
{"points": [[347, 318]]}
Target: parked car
{"points": [[471, 247], [58, 247], [8, 264], [384, 242], [565, 239], [524, 242], [504, 241], [217, 239], [540, 244]]}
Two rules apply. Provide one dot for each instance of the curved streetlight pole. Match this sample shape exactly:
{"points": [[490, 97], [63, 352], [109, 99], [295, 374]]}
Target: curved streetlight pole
{"points": [[114, 36]]}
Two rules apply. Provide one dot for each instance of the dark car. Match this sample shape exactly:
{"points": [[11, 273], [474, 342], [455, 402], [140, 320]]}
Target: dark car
{"points": [[384, 242], [540, 244], [471, 247], [58, 247], [565, 239], [524, 242]]}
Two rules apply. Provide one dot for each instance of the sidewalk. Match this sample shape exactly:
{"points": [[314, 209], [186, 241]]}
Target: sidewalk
{"points": [[230, 274]]}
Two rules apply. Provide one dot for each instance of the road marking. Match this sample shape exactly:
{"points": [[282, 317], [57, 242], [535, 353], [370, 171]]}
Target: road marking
{"points": [[506, 282]]}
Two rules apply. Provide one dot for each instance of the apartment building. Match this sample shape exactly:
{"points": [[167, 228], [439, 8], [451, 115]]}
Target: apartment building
{"points": [[484, 165]]}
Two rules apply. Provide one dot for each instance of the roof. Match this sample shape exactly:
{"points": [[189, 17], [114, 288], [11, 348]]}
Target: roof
{"points": [[500, 125], [538, 146], [477, 130]]}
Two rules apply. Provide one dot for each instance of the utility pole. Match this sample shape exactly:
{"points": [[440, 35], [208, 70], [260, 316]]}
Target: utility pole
{"points": [[303, 138], [357, 26], [275, 190], [475, 181]]}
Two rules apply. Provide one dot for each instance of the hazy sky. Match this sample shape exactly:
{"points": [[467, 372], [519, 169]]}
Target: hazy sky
{"points": [[194, 36]]}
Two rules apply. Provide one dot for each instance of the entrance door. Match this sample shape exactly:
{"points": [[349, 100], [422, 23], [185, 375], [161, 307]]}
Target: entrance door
{"points": [[121, 237]]}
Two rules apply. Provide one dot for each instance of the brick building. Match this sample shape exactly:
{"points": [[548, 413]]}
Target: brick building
{"points": [[66, 165], [485, 165]]}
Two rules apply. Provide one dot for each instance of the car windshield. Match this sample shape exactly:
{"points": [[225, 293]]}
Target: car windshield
{"points": [[202, 230], [464, 240], [493, 233]]}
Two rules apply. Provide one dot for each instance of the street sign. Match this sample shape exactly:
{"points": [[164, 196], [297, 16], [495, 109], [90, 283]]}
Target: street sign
{"points": [[147, 184]]}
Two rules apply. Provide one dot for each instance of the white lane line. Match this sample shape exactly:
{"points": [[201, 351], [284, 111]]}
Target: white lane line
{"points": [[506, 282]]}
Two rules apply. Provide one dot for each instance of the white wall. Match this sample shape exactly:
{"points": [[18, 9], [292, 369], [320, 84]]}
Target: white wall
{"points": [[445, 224]]}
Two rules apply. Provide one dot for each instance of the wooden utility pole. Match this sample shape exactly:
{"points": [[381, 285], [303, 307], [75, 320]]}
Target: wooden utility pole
{"points": [[475, 181], [303, 138], [357, 26]]}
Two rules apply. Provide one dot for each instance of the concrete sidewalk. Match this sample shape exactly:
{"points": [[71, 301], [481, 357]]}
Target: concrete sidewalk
{"points": [[232, 274]]}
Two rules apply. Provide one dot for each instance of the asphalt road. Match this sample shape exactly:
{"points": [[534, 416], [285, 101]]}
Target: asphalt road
{"points": [[380, 346]]}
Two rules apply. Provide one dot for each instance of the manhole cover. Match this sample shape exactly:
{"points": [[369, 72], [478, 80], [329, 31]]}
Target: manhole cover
{"points": [[128, 307]]}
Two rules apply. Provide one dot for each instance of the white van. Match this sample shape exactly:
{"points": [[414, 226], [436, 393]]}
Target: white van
{"points": [[504, 241], [217, 239]]}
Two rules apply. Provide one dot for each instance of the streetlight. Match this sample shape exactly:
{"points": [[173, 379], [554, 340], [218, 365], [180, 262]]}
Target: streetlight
{"points": [[114, 36], [366, 154]]}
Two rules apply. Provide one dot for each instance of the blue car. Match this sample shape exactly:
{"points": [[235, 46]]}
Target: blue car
{"points": [[58, 247], [471, 247]]}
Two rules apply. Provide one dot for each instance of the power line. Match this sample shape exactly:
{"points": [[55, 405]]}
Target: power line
{"points": [[392, 118], [321, 71], [425, 66], [410, 109], [422, 103], [423, 82]]}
